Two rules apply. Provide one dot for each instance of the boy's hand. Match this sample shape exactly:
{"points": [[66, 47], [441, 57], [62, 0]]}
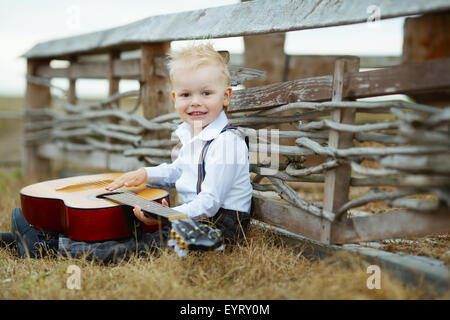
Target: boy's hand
{"points": [[141, 216], [129, 179]]}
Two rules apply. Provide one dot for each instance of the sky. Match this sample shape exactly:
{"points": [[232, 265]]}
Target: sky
{"points": [[24, 23]]}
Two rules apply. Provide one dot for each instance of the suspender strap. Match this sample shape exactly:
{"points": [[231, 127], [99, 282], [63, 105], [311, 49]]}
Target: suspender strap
{"points": [[201, 161]]}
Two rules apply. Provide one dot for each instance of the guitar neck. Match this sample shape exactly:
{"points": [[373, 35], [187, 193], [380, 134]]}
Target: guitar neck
{"points": [[151, 207]]}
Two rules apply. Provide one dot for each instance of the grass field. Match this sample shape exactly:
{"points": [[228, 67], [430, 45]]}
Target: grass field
{"points": [[259, 269]]}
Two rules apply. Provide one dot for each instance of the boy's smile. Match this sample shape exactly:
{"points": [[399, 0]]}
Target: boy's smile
{"points": [[200, 95]]}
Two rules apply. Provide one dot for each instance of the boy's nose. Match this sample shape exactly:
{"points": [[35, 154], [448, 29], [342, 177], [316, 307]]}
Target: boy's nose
{"points": [[195, 101]]}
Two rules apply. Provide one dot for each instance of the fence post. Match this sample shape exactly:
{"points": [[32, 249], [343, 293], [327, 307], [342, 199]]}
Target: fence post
{"points": [[155, 87], [113, 88], [113, 82], [419, 46], [35, 167], [337, 181], [72, 93]]}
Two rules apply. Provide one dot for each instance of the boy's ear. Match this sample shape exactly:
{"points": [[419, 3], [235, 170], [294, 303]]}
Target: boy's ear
{"points": [[227, 97]]}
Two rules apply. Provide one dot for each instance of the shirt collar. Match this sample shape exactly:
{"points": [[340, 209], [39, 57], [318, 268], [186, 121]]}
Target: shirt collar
{"points": [[212, 130]]}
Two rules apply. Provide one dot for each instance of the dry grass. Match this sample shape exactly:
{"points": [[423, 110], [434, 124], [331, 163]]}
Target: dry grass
{"points": [[436, 246], [259, 269]]}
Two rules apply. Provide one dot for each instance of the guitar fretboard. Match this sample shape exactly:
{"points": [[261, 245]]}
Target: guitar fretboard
{"points": [[151, 207]]}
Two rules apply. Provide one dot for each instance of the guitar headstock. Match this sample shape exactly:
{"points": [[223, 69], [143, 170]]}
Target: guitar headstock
{"points": [[188, 234]]}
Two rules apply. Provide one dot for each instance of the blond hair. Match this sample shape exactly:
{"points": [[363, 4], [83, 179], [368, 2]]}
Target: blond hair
{"points": [[197, 55]]}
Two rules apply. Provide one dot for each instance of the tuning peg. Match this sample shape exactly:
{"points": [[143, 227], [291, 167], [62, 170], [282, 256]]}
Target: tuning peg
{"points": [[183, 249], [171, 241], [178, 239], [183, 246]]}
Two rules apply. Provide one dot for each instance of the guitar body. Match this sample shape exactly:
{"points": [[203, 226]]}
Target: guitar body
{"points": [[73, 206]]}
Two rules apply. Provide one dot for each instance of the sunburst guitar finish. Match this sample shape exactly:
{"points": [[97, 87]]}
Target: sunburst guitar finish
{"points": [[74, 206]]}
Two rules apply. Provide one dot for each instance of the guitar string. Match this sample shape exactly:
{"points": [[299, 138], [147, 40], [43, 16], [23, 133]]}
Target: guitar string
{"points": [[98, 183], [87, 182]]}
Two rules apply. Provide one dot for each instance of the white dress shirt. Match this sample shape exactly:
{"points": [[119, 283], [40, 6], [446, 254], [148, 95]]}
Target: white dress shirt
{"points": [[227, 181]]}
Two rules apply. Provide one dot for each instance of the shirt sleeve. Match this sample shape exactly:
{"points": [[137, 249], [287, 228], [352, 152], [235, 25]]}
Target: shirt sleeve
{"points": [[225, 156], [164, 175]]}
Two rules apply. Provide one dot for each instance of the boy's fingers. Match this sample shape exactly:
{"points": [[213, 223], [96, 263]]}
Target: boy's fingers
{"points": [[140, 215], [114, 185], [120, 182], [138, 212], [164, 202]]}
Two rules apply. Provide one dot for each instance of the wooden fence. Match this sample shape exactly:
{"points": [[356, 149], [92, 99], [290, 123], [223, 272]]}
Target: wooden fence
{"points": [[402, 161]]}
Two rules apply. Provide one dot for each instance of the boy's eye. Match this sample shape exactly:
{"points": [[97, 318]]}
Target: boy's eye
{"points": [[206, 93], [185, 95]]}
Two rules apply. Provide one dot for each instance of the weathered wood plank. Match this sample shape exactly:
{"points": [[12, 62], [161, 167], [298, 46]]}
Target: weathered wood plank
{"points": [[33, 165], [253, 17], [297, 61], [390, 225], [419, 46], [72, 91], [263, 97], [89, 70], [265, 52], [407, 78], [131, 69], [286, 216], [156, 99], [307, 66], [127, 69]]}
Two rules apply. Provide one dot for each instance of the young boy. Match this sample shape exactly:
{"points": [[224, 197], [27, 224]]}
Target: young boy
{"points": [[211, 173], [201, 91]]}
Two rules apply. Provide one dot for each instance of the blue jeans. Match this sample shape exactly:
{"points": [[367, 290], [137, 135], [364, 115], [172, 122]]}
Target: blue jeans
{"points": [[114, 250]]}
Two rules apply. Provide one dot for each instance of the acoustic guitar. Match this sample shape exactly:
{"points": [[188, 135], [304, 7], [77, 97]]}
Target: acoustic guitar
{"points": [[81, 208]]}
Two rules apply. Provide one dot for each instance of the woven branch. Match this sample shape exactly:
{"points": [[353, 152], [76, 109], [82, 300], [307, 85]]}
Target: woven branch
{"points": [[372, 172], [418, 135], [382, 107], [292, 196], [274, 120], [328, 124], [155, 160], [97, 144], [370, 151], [311, 170], [147, 152], [435, 164], [374, 195], [414, 204]]}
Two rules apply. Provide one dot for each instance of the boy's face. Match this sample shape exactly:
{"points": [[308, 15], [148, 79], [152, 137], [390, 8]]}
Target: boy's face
{"points": [[200, 95]]}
